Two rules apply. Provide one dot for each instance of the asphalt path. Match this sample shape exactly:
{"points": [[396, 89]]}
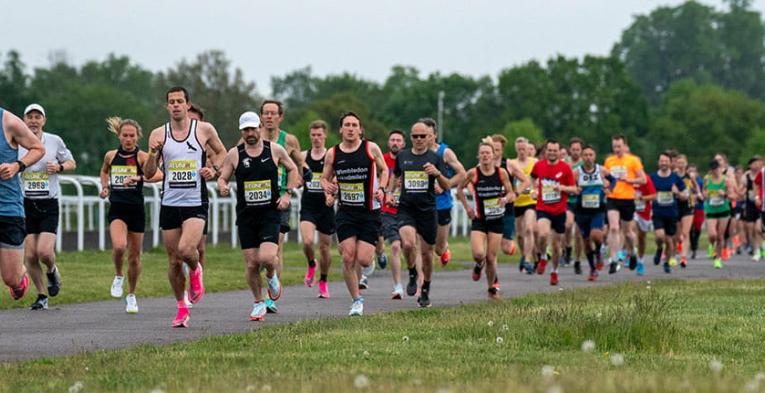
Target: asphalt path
{"points": [[75, 328]]}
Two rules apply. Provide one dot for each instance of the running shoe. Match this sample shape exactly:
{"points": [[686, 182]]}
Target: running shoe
{"points": [[599, 265], [621, 255], [693, 254], [477, 271], [494, 293], [117, 286], [357, 308], [424, 300], [554, 278], [258, 311], [131, 306], [271, 305], [323, 290], [19, 292], [310, 275], [657, 257], [613, 267], [683, 262], [186, 299], [633, 261], [541, 266], [367, 271], [710, 250], [54, 282], [757, 255], [667, 268], [364, 282], [382, 260], [718, 263], [679, 247], [726, 253], [398, 292], [196, 284], [577, 267], [41, 303], [640, 269], [182, 318], [672, 262], [274, 287], [593, 275], [411, 286], [495, 284], [446, 257]]}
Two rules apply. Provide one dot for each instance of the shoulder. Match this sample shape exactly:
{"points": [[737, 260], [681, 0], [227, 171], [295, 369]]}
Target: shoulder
{"points": [[111, 153]]}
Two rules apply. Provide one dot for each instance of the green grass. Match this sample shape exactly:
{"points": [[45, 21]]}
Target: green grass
{"points": [[87, 275], [668, 334]]}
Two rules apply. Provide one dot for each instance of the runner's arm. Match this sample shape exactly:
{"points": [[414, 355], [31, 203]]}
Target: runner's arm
{"points": [[293, 148], [142, 158], [155, 146], [293, 175], [104, 173], [215, 146], [328, 173], [461, 188], [382, 168], [21, 136], [450, 158]]}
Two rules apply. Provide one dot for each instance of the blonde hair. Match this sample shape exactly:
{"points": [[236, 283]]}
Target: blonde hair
{"points": [[115, 124], [487, 141]]}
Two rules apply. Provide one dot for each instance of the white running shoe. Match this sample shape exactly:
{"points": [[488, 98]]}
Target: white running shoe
{"points": [[367, 271], [132, 304], [357, 309], [186, 299], [117, 286], [258, 311]]}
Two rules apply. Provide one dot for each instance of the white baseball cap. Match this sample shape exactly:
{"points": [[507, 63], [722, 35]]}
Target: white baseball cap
{"points": [[249, 119], [34, 107]]}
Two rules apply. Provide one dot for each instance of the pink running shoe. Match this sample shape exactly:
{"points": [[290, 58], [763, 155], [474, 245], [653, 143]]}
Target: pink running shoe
{"points": [[310, 276], [182, 318], [323, 290], [21, 290], [196, 285]]}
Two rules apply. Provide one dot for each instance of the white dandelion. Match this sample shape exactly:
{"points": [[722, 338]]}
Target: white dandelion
{"points": [[500, 340], [406, 338], [548, 371], [76, 387], [491, 323], [505, 327], [715, 365], [617, 359], [361, 381], [588, 346]]}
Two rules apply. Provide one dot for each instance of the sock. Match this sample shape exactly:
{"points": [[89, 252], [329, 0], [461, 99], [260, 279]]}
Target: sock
{"points": [[591, 259], [568, 253], [323, 277], [426, 286], [412, 272], [311, 263]]}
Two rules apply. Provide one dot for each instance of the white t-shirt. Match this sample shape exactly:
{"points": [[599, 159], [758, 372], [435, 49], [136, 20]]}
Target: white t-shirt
{"points": [[36, 182]]}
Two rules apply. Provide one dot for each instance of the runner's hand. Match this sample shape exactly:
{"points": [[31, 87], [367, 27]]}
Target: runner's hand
{"points": [[470, 212], [155, 146], [131, 180], [104, 192], [438, 188], [207, 173], [431, 170], [9, 170], [329, 199], [223, 188], [52, 167], [331, 188], [284, 202], [380, 195]]}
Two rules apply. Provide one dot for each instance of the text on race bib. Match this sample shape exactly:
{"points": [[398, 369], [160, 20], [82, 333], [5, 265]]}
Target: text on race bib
{"points": [[715, 199], [639, 203], [120, 173], [549, 193], [590, 201], [492, 208], [619, 172], [352, 193], [182, 173], [36, 184], [665, 198], [257, 192], [315, 184], [415, 180]]}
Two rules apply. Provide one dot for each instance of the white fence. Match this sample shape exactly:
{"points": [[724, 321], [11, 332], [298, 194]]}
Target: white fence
{"points": [[88, 212]]}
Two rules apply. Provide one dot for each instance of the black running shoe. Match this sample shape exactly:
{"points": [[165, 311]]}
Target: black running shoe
{"points": [[667, 269], [424, 300], [577, 267], [613, 267], [657, 257], [54, 282], [41, 303], [411, 287], [633, 262]]}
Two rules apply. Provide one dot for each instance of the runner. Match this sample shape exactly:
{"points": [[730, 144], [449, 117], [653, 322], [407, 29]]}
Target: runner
{"points": [[455, 172], [730, 233], [390, 222], [751, 212], [255, 164], [698, 210], [574, 160], [685, 208], [669, 189], [644, 196], [41, 189], [554, 181], [357, 164], [12, 230], [182, 145], [198, 114], [592, 180], [122, 182], [315, 215], [524, 205], [272, 114], [492, 190], [718, 190], [418, 168], [628, 170]]}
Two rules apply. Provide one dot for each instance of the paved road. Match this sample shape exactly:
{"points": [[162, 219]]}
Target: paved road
{"points": [[75, 328]]}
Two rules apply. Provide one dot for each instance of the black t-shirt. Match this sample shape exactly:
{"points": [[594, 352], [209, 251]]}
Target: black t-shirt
{"points": [[417, 187]]}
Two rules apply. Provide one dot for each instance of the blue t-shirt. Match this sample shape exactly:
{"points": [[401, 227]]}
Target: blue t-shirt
{"points": [[665, 204]]}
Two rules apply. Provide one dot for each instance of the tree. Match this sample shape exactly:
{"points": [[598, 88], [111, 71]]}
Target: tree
{"points": [[14, 94]]}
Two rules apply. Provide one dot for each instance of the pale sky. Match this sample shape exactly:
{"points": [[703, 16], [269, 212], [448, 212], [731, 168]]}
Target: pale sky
{"points": [[367, 38]]}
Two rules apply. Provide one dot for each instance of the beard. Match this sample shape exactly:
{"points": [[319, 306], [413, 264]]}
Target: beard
{"points": [[251, 140]]}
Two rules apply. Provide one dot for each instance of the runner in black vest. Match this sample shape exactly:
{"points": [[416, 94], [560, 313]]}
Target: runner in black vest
{"points": [[357, 164], [258, 204]]}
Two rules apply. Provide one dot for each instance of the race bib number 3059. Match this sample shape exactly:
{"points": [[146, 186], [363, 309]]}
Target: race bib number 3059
{"points": [[182, 173], [36, 184], [416, 181], [257, 193], [352, 193], [121, 172]]}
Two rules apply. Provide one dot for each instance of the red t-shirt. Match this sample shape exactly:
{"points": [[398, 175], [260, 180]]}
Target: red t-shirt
{"points": [[390, 161], [760, 188], [643, 208], [549, 200]]}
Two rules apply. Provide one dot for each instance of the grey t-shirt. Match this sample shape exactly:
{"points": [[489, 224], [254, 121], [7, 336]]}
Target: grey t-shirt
{"points": [[36, 182]]}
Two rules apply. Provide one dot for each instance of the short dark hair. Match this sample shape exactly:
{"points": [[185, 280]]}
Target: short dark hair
{"points": [[275, 102], [619, 137], [318, 124], [589, 147], [199, 111], [428, 121], [575, 140], [551, 141], [665, 154], [346, 114], [399, 132], [176, 89]]}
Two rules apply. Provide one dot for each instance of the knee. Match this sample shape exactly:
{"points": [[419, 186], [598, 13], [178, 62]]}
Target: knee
{"points": [[479, 256], [395, 247], [119, 247], [324, 248], [407, 246]]}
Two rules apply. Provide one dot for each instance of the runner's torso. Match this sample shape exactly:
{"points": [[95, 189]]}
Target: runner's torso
{"points": [[313, 194], [593, 197], [356, 174], [11, 200], [182, 159], [125, 164], [524, 196], [487, 191], [257, 181]]}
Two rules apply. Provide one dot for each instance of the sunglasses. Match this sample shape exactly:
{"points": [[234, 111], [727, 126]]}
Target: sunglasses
{"points": [[419, 136]]}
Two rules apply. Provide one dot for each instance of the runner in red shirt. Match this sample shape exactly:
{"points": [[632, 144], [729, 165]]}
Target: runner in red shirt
{"points": [[554, 180], [644, 194]]}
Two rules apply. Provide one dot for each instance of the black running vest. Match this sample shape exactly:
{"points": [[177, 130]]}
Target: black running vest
{"points": [[313, 194], [123, 165], [257, 180], [356, 174], [487, 191]]}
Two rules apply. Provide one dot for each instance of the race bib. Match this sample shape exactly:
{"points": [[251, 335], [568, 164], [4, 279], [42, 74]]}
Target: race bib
{"points": [[120, 173], [36, 184], [550, 194], [716, 200], [639, 202], [315, 184], [665, 198], [182, 173], [619, 172], [492, 208], [352, 193], [257, 192], [591, 201], [416, 180]]}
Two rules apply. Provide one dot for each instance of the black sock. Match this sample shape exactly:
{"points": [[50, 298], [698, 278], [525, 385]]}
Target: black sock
{"points": [[412, 272], [568, 253], [323, 277], [426, 286], [311, 263], [591, 259]]}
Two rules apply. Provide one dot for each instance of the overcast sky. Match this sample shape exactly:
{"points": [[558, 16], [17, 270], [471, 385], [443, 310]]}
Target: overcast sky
{"points": [[476, 37]]}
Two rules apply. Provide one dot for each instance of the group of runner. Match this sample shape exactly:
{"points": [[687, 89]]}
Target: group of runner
{"points": [[554, 203]]}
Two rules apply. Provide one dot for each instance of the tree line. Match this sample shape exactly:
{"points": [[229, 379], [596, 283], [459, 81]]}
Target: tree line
{"points": [[689, 77]]}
